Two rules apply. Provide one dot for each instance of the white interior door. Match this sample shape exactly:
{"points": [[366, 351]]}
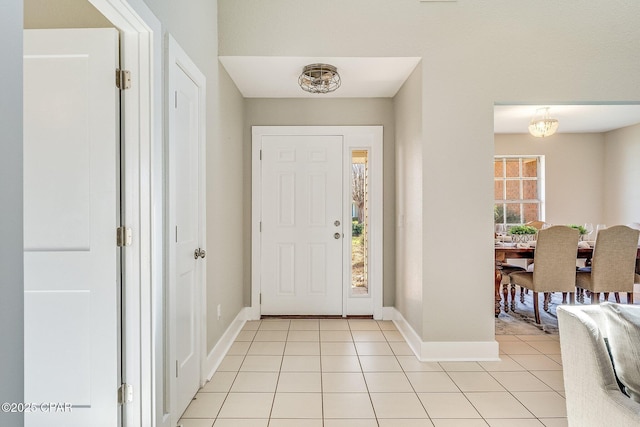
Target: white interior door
{"points": [[72, 277], [186, 199], [302, 230]]}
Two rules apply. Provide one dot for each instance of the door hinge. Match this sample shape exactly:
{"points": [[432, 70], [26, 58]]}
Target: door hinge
{"points": [[123, 79], [125, 394], [261, 298], [261, 226], [260, 154], [123, 237]]}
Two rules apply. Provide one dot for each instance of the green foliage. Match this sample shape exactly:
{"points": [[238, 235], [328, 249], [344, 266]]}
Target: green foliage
{"points": [[580, 228], [356, 228], [498, 215], [523, 229]]}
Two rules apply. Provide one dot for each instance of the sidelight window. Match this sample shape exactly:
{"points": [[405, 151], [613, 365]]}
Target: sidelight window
{"points": [[360, 222]]}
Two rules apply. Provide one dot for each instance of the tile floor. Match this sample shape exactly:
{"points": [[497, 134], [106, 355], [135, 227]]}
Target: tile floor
{"points": [[361, 373]]}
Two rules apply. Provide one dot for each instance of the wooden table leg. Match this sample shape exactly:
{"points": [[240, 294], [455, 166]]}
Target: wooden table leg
{"points": [[505, 293], [498, 279]]}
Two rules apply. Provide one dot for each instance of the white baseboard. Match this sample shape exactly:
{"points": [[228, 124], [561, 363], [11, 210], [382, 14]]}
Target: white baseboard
{"points": [[388, 313], [445, 351], [410, 336], [252, 313], [214, 358]]}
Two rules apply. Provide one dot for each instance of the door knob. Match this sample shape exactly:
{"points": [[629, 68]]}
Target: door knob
{"points": [[336, 236], [199, 253]]}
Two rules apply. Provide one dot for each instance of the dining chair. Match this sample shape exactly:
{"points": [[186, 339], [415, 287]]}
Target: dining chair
{"points": [[555, 265], [505, 270], [636, 226], [613, 264], [538, 225]]}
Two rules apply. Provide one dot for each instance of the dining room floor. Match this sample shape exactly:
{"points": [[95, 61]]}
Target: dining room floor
{"points": [[362, 373]]}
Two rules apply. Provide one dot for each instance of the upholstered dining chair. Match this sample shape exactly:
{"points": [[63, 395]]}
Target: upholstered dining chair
{"points": [[613, 264], [539, 225], [555, 261], [636, 226]]}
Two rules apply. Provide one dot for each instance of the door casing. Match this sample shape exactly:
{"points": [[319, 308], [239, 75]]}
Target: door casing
{"points": [[142, 210], [355, 138]]}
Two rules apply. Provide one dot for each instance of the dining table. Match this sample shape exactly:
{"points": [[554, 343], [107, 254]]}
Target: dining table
{"points": [[505, 252]]}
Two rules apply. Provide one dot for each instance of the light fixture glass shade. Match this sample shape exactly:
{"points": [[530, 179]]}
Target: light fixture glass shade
{"points": [[542, 125], [319, 78]]}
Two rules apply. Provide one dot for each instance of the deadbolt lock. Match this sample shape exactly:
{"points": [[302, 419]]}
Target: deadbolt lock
{"points": [[336, 223]]}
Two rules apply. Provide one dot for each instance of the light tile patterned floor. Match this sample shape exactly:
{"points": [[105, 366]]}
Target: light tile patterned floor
{"points": [[361, 373]]}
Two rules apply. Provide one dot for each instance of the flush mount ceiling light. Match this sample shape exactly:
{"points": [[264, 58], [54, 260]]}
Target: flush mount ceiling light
{"points": [[319, 78], [541, 124]]}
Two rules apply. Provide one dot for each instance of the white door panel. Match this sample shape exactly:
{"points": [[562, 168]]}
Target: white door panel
{"points": [[186, 218], [185, 153], [71, 169], [301, 202]]}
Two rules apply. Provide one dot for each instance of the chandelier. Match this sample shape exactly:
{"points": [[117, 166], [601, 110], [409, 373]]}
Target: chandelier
{"points": [[541, 124], [319, 78]]}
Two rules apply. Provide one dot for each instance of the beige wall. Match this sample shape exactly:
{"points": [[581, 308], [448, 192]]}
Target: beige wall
{"points": [[62, 14], [574, 173], [622, 176], [475, 54], [225, 209], [327, 112], [408, 117]]}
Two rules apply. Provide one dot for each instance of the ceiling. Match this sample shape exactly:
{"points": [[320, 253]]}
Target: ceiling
{"points": [[277, 76], [367, 77], [592, 118]]}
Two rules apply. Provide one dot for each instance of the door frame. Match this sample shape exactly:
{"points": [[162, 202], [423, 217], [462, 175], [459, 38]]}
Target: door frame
{"points": [[176, 56], [355, 138], [142, 209]]}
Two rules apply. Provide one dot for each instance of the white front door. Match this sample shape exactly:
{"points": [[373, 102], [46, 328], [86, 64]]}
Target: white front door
{"points": [[302, 230], [186, 217], [71, 211]]}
